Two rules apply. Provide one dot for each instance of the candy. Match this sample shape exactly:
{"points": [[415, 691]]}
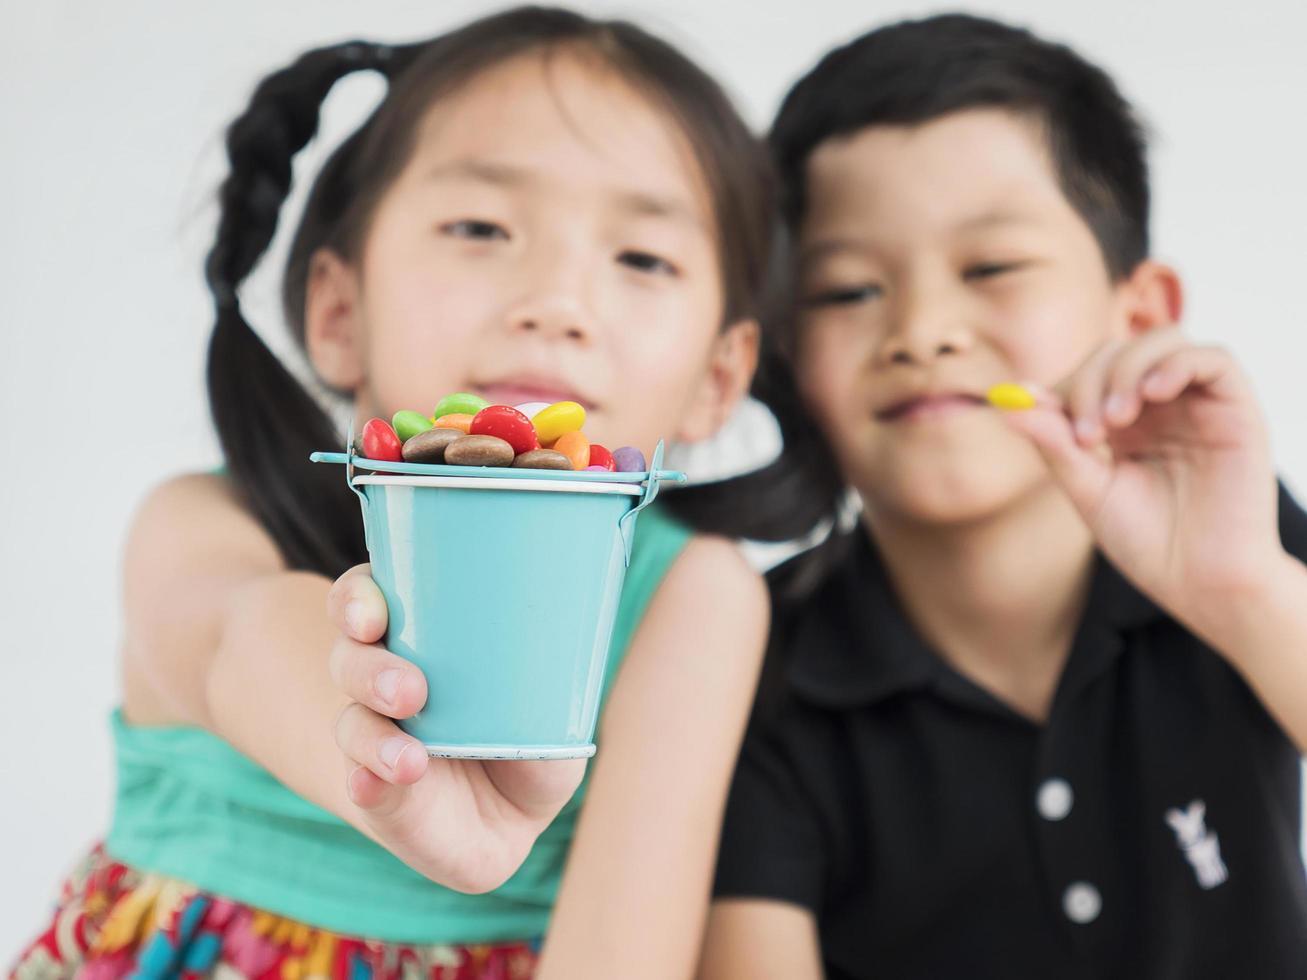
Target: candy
{"points": [[531, 409], [462, 422], [459, 403], [479, 450], [430, 446], [597, 469], [557, 420], [576, 447], [628, 459], [380, 441], [601, 458], [1010, 397], [543, 459], [507, 423], [407, 424]]}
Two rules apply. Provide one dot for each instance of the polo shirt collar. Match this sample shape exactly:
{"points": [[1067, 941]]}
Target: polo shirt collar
{"points": [[851, 644]]}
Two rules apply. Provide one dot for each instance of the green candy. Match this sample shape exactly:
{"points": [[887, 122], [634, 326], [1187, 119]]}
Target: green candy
{"points": [[409, 423], [459, 403]]}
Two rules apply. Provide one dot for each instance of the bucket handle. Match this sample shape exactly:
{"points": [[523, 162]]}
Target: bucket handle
{"points": [[627, 523], [349, 480]]}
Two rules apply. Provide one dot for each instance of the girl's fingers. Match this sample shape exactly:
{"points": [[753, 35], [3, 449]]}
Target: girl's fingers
{"points": [[356, 606], [1123, 396], [373, 741], [375, 677]]}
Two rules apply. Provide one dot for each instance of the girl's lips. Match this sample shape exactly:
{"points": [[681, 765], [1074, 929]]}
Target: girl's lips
{"points": [[512, 393], [929, 407]]}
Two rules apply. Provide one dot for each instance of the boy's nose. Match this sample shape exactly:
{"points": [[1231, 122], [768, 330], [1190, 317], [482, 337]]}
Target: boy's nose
{"points": [[923, 332]]}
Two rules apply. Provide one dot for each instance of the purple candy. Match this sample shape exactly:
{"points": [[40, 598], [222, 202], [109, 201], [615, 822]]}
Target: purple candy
{"points": [[628, 459], [601, 469]]}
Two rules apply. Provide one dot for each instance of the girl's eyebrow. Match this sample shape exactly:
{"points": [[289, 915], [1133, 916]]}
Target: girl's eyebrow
{"points": [[639, 203]]}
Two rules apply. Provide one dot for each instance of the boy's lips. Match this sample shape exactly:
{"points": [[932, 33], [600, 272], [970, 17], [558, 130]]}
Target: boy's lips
{"points": [[928, 405]]}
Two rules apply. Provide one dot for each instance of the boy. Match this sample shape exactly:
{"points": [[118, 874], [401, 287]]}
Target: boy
{"points": [[1041, 714]]}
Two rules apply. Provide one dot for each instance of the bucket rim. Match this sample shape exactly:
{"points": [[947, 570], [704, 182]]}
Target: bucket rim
{"points": [[503, 483]]}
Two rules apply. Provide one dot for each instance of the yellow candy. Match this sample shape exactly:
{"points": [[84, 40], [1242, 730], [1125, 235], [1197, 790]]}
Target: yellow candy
{"points": [[1011, 397], [557, 420]]}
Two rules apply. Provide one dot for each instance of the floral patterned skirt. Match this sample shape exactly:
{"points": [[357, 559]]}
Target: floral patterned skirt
{"points": [[113, 922]]}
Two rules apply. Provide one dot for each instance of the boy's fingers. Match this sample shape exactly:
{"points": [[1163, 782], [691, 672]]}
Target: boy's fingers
{"points": [[373, 741], [375, 677], [1123, 398], [1208, 366], [1082, 393], [1082, 472], [356, 606]]}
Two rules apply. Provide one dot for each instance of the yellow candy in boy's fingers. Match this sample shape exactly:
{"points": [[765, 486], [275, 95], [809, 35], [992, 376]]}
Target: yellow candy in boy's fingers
{"points": [[1011, 397], [557, 420]]}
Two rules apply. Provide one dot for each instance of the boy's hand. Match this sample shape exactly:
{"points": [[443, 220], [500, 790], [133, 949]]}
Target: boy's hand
{"points": [[1162, 448], [466, 823]]}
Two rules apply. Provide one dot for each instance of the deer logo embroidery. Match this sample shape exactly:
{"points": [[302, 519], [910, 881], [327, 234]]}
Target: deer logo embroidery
{"points": [[1200, 846]]}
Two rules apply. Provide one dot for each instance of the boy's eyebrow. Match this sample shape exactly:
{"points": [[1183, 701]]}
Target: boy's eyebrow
{"points": [[825, 248], [996, 217], [640, 203]]}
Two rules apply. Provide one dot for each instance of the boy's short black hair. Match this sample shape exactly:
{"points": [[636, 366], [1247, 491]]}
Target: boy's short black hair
{"points": [[916, 71]]}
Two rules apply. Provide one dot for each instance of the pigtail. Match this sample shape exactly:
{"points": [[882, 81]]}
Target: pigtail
{"points": [[267, 423]]}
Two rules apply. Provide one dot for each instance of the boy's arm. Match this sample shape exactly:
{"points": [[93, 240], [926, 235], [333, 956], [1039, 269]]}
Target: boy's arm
{"points": [[760, 939], [635, 893]]}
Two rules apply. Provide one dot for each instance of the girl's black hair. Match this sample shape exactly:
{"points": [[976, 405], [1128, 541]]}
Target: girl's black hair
{"points": [[268, 423]]}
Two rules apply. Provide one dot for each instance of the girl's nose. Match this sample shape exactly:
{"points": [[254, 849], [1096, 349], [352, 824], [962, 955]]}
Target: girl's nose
{"points": [[552, 304]]}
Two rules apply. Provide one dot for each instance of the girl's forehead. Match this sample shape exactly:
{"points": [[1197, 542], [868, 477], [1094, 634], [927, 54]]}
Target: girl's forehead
{"points": [[556, 118]]}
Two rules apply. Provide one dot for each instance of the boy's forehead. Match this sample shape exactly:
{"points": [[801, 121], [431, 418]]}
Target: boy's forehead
{"points": [[965, 169]]}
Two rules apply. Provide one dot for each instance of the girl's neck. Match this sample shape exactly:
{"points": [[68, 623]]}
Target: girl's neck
{"points": [[998, 598]]}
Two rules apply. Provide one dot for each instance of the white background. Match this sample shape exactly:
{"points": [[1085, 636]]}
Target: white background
{"points": [[110, 121]]}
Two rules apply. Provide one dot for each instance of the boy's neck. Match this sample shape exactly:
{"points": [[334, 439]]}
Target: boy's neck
{"points": [[999, 599]]}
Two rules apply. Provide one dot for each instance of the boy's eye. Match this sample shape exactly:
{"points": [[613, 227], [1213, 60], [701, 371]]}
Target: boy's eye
{"points": [[845, 295], [476, 230], [647, 262], [989, 270]]}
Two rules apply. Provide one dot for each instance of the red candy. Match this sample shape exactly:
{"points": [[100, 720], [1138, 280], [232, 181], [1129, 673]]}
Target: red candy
{"points": [[381, 442], [601, 457], [507, 423]]}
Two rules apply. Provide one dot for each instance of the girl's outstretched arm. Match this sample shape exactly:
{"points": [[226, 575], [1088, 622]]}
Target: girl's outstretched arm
{"points": [[220, 635], [760, 939], [635, 893]]}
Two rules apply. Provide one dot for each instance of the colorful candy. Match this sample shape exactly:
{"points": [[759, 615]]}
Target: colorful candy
{"points": [[459, 403], [456, 420], [532, 409], [479, 450], [628, 459], [601, 457], [1011, 397], [542, 459], [381, 442], [507, 423], [576, 447], [407, 424], [430, 446], [557, 420]]}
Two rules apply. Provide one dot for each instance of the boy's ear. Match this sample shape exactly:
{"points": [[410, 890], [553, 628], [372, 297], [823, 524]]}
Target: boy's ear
{"points": [[1154, 297], [333, 333], [731, 365]]}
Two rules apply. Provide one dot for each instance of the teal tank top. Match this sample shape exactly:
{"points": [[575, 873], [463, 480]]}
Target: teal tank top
{"points": [[191, 807]]}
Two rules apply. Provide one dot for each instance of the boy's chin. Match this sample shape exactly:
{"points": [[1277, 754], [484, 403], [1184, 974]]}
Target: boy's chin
{"points": [[943, 499]]}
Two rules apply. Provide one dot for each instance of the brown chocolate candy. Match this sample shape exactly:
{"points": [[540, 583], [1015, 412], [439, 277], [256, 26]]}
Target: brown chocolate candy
{"points": [[543, 459], [429, 446], [479, 451]]}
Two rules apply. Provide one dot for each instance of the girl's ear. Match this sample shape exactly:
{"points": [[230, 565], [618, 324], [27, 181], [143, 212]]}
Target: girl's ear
{"points": [[731, 365], [1153, 297], [333, 332]]}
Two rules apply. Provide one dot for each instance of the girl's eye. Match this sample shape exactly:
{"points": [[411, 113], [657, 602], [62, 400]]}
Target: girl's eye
{"points": [[989, 270], [646, 262], [476, 230], [845, 295]]}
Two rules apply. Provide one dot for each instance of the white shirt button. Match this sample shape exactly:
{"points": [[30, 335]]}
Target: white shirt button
{"points": [[1054, 799], [1081, 902]]}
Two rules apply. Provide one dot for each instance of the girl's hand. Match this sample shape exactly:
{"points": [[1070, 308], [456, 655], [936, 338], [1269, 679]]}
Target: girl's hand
{"points": [[464, 822], [1162, 448]]}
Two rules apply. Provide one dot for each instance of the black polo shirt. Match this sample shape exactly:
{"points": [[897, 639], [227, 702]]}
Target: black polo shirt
{"points": [[1150, 828]]}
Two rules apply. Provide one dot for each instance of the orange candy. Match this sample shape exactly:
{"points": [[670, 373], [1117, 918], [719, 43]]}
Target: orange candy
{"points": [[455, 421], [576, 447]]}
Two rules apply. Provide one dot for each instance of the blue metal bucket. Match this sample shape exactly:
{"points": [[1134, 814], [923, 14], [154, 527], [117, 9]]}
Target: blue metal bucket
{"points": [[502, 585]]}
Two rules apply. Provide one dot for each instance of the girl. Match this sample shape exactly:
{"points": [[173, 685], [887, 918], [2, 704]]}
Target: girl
{"points": [[1042, 715], [544, 207]]}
